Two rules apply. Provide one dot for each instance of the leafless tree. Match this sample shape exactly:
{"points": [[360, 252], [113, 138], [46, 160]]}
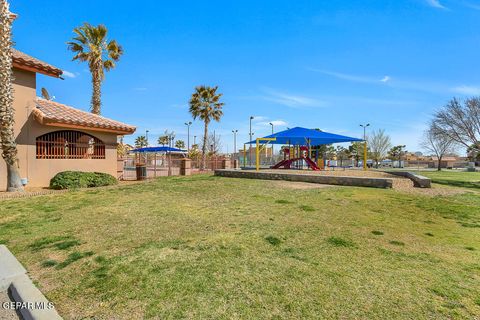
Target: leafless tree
{"points": [[214, 144], [460, 121], [379, 144], [435, 141]]}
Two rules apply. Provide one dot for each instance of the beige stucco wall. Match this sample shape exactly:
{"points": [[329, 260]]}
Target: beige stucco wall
{"points": [[40, 171]]}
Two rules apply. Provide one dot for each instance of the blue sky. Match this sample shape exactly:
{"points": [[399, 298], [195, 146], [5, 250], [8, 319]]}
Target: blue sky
{"points": [[318, 64]]}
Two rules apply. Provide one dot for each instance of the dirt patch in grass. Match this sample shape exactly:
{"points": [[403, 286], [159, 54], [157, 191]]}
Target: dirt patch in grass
{"points": [[399, 183]]}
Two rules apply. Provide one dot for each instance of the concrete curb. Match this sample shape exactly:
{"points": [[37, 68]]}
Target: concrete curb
{"points": [[333, 180], [13, 276], [418, 180]]}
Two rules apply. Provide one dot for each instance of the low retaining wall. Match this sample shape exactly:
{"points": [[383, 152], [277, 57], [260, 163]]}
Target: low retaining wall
{"points": [[418, 180], [321, 179]]}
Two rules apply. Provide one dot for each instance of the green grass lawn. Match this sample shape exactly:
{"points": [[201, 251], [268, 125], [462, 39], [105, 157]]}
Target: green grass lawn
{"points": [[208, 247], [454, 178]]}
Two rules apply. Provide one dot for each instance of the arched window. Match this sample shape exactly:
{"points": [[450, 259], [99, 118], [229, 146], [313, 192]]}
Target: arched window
{"points": [[69, 144]]}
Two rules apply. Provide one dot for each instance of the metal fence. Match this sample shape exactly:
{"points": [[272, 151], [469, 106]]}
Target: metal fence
{"points": [[160, 165]]}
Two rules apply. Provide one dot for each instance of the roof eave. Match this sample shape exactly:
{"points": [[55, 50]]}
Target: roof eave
{"points": [[32, 68], [40, 118], [87, 127]]}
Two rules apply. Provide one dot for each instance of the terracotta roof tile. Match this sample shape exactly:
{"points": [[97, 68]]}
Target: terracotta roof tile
{"points": [[22, 60], [56, 114]]}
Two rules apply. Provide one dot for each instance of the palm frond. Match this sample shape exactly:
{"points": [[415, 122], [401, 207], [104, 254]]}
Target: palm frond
{"points": [[108, 65]]}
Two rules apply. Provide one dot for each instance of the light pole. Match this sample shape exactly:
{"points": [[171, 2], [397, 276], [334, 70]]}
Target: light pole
{"points": [[364, 126], [250, 145], [146, 136], [273, 160], [188, 124], [171, 137], [234, 142], [194, 139]]}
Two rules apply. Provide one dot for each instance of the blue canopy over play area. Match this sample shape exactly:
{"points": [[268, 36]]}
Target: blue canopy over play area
{"points": [[304, 136], [157, 149], [300, 143]]}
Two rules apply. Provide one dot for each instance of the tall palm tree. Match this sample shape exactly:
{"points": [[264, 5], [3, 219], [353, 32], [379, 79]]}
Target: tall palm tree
{"points": [[7, 135], [91, 45], [141, 142], [205, 104], [180, 144], [163, 140]]}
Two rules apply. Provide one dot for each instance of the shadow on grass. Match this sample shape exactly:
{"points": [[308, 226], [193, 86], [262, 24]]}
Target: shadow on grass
{"points": [[340, 242], [274, 241], [72, 257], [457, 183]]}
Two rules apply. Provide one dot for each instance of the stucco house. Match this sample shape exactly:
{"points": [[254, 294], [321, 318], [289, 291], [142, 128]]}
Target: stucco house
{"points": [[53, 137]]}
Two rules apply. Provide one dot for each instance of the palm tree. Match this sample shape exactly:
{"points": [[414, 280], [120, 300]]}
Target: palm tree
{"points": [[205, 104], [91, 45], [141, 142], [163, 140], [7, 135], [180, 144]]}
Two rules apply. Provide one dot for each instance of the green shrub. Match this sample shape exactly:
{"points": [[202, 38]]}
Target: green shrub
{"points": [[78, 179]]}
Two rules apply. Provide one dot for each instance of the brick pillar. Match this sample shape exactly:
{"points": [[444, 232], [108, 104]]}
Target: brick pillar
{"points": [[235, 164], [226, 164], [185, 167]]}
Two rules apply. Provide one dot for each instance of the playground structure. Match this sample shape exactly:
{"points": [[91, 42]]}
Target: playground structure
{"points": [[299, 145], [296, 157]]}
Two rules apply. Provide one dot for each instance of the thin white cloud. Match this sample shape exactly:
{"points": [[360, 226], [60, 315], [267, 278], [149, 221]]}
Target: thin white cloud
{"points": [[353, 78], [289, 100], [467, 90], [345, 76], [435, 4], [259, 118], [403, 84], [279, 123], [275, 123], [385, 79], [69, 74], [140, 89]]}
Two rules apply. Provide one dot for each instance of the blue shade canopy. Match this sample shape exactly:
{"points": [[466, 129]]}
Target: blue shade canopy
{"points": [[302, 136], [158, 149]]}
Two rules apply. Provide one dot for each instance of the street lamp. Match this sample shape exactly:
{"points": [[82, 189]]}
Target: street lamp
{"points": [[250, 145], [188, 124], [234, 142], [273, 160], [194, 139], [364, 126], [146, 136]]}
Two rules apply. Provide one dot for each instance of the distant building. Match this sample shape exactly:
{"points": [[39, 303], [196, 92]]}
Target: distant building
{"points": [[446, 162]]}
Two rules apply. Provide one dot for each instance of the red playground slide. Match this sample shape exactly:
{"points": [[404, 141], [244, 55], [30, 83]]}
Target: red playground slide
{"points": [[280, 164], [286, 164], [312, 164]]}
